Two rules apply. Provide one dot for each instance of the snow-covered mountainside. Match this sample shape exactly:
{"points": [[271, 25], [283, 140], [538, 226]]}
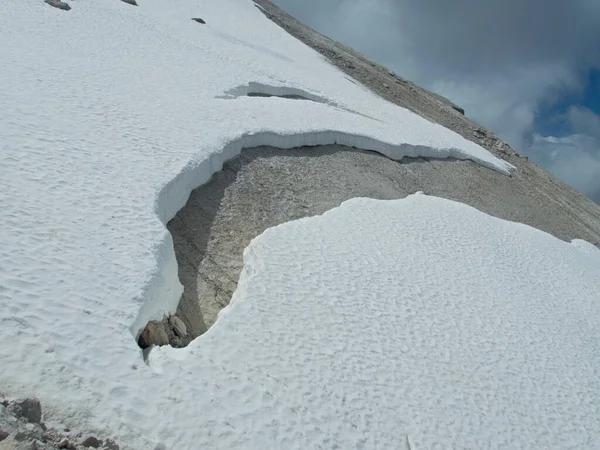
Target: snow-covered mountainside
{"points": [[413, 323]]}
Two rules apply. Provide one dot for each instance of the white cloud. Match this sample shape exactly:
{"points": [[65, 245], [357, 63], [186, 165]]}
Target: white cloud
{"points": [[506, 102], [585, 121], [574, 158]]}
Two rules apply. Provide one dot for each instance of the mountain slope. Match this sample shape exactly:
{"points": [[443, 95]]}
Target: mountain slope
{"points": [[222, 217], [573, 215], [112, 114]]}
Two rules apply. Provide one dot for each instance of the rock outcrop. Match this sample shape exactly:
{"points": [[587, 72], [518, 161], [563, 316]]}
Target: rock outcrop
{"points": [[29, 409], [58, 4], [153, 334], [178, 326], [169, 331]]}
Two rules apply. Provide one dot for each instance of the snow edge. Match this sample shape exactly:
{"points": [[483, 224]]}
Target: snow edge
{"points": [[162, 293]]}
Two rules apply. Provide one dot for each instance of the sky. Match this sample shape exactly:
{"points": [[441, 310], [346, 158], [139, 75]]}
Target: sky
{"points": [[528, 70]]}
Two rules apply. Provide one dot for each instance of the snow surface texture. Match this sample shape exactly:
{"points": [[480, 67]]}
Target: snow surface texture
{"points": [[420, 322], [590, 249], [111, 115], [131, 109]]}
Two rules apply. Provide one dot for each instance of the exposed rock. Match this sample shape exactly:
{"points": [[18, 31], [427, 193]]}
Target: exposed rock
{"points": [[26, 438], [67, 444], [91, 441], [58, 4], [11, 443], [153, 334], [130, 2], [28, 435], [32, 431], [109, 444], [170, 331], [30, 409], [17, 432], [175, 338], [447, 102], [198, 19], [178, 326], [459, 109], [176, 342], [50, 436], [8, 423]]}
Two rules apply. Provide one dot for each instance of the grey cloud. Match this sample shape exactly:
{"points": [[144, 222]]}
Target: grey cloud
{"points": [[574, 159], [476, 36], [465, 36], [502, 60], [585, 121]]}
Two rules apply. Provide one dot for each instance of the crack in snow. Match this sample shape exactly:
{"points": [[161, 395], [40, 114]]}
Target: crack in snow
{"points": [[162, 293], [254, 89]]}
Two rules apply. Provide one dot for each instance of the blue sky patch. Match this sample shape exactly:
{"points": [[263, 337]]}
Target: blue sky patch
{"points": [[551, 119]]}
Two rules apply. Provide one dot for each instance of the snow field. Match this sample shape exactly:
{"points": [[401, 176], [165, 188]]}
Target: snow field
{"points": [[439, 325], [112, 114]]}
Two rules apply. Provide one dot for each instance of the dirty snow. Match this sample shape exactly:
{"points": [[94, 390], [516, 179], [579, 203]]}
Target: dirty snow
{"points": [[437, 323]]}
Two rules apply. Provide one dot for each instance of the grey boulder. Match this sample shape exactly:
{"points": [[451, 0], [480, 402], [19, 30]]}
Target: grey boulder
{"points": [[92, 442], [178, 326], [29, 408]]}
